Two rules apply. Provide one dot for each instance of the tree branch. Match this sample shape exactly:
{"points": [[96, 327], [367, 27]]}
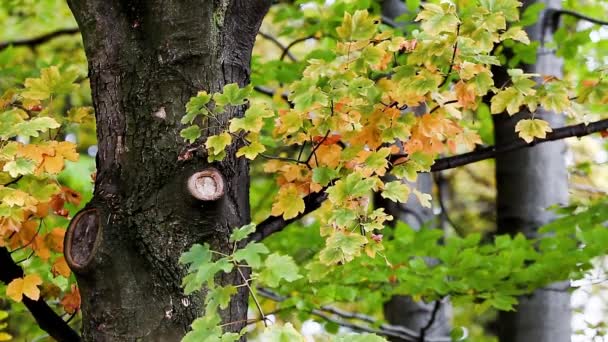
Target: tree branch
{"points": [[313, 201], [579, 130], [338, 316], [46, 318], [275, 224], [32, 42], [284, 49]]}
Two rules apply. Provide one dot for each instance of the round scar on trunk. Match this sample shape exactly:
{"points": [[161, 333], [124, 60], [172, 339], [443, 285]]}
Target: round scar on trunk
{"points": [[206, 185], [82, 239]]}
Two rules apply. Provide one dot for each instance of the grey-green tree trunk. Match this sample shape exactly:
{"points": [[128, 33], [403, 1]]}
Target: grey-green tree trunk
{"points": [[146, 59], [528, 182], [403, 310]]}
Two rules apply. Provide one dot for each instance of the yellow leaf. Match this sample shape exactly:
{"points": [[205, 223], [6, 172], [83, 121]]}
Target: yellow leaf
{"points": [[52, 164], [67, 150], [529, 129], [26, 286], [5, 337], [289, 203]]}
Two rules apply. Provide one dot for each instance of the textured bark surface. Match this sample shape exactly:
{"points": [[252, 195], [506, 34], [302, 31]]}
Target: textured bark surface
{"points": [[146, 59], [529, 181], [403, 310]]}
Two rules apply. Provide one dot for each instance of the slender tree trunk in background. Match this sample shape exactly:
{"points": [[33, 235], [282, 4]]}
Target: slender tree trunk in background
{"points": [[146, 59], [529, 181], [403, 310]]}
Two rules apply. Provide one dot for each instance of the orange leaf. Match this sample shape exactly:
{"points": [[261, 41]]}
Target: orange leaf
{"points": [[55, 239], [604, 133], [52, 164], [60, 267], [26, 286], [71, 301], [329, 140], [71, 196]]}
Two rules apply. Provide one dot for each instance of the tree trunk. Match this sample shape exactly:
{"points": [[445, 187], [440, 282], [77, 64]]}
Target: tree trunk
{"points": [[146, 59], [403, 310], [529, 181]]}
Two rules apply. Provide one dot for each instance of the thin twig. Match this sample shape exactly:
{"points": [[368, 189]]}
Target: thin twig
{"points": [[290, 45], [32, 42], [276, 42], [13, 181], [447, 75], [255, 299]]}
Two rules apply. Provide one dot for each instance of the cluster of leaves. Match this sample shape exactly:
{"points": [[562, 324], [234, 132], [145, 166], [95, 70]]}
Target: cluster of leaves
{"points": [[345, 128], [253, 263], [34, 205], [342, 120]]}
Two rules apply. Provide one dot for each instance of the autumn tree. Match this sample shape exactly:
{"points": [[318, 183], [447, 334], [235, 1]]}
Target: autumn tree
{"points": [[187, 123]]}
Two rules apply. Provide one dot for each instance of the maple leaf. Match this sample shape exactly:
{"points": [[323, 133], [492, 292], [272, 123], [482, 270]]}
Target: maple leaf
{"points": [[216, 146], [438, 18], [71, 301], [396, 191], [358, 26], [342, 247], [51, 82], [190, 133], [195, 107], [26, 286], [60, 267], [279, 267], [252, 150], [529, 129], [55, 239], [288, 203]]}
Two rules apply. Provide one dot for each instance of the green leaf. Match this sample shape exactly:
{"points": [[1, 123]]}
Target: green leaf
{"points": [[281, 333], [216, 146], [196, 255], [219, 297], [251, 254], [31, 128], [438, 18], [342, 247], [232, 95], [323, 175], [359, 26], [242, 232], [278, 267], [196, 106], [253, 121], [204, 273], [352, 186], [204, 329], [396, 191], [191, 133], [252, 150], [20, 166]]}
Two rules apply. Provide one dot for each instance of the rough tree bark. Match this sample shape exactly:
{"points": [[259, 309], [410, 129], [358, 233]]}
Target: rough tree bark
{"points": [[403, 310], [146, 59], [529, 181]]}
